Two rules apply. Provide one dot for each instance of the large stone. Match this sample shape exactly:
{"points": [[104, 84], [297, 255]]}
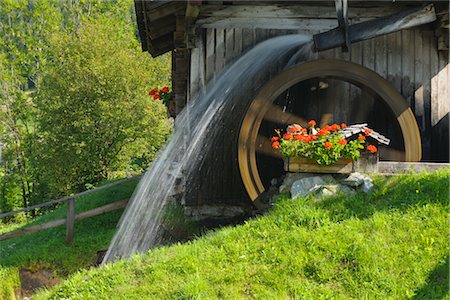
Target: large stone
{"points": [[367, 185], [354, 179], [331, 190], [305, 186], [289, 179]]}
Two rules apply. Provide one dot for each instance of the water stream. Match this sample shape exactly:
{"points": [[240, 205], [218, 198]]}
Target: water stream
{"points": [[140, 226]]}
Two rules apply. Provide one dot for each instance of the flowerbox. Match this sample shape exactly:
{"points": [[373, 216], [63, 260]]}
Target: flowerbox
{"points": [[331, 149], [367, 163], [293, 164]]}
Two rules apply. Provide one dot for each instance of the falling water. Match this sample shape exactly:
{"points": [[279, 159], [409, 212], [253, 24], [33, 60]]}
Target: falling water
{"points": [[140, 225]]}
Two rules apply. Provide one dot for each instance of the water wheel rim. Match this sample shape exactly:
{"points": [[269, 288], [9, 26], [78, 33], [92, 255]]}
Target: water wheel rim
{"points": [[348, 71]]}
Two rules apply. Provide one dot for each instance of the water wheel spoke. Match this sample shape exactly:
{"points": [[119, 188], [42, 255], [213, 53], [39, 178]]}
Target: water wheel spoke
{"points": [[278, 115]]}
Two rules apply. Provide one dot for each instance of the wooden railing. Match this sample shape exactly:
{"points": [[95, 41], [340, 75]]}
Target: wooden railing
{"points": [[71, 217]]}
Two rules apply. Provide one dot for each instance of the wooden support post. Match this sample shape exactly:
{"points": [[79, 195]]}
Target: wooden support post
{"points": [[70, 221], [376, 27]]}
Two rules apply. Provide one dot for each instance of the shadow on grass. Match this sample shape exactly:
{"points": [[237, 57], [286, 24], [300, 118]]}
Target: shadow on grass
{"points": [[437, 284], [395, 193]]}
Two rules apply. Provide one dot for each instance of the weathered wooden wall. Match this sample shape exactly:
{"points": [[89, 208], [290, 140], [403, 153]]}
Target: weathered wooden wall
{"points": [[408, 59]]}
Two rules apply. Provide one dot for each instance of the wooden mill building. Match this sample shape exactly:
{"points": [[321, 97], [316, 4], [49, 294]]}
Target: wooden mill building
{"points": [[205, 36]]}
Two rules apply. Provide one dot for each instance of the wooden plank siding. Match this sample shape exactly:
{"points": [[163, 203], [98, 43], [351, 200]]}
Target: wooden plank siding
{"points": [[408, 59]]}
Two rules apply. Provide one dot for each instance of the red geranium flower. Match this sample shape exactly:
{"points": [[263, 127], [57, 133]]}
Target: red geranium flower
{"points": [[372, 148], [367, 131], [165, 89], [153, 92], [293, 129], [156, 97], [328, 145], [343, 142], [312, 123], [323, 132], [275, 145], [287, 136], [275, 138], [335, 127], [343, 125], [361, 137]]}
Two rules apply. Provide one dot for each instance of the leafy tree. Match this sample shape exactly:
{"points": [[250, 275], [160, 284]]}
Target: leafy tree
{"points": [[95, 117]]}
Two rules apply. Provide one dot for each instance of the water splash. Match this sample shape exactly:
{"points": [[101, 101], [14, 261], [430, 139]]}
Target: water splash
{"points": [[140, 225]]}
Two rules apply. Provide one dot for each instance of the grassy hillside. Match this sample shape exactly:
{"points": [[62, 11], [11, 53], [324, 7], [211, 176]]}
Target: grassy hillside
{"points": [[47, 249], [392, 244]]}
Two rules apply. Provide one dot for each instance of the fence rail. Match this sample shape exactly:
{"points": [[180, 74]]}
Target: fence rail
{"points": [[71, 217]]}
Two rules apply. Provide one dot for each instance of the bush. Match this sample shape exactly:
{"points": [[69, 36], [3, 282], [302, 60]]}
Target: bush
{"points": [[94, 113]]}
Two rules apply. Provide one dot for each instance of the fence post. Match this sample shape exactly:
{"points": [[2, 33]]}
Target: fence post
{"points": [[70, 220]]}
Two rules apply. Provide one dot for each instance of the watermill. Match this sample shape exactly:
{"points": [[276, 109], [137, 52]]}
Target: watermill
{"points": [[376, 62]]}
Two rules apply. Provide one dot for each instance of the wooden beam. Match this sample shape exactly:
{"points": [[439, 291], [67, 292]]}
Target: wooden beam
{"points": [[293, 11], [376, 27], [393, 167], [268, 23]]}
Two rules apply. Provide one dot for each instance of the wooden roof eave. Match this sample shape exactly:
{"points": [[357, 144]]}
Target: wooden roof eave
{"points": [[156, 24]]}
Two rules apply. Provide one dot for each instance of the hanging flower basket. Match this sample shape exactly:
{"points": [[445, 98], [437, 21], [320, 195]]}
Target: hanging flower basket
{"points": [[331, 149]]}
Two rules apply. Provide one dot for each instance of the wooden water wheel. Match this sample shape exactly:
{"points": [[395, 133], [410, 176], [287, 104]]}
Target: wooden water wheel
{"points": [[262, 109]]}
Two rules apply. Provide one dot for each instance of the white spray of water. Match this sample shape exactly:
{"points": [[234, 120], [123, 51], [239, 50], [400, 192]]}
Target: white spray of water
{"points": [[140, 224]]}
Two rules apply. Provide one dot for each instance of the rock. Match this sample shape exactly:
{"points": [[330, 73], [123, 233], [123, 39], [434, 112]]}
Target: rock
{"points": [[331, 190], [355, 179], [324, 191], [346, 190], [290, 178], [305, 186], [367, 185]]}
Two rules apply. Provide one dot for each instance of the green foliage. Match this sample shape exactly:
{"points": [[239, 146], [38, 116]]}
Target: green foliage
{"points": [[32, 49], [391, 244], [47, 248], [10, 281], [94, 112]]}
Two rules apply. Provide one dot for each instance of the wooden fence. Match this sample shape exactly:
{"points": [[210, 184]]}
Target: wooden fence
{"points": [[71, 217]]}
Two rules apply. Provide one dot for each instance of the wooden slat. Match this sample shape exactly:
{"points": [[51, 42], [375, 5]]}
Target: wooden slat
{"points": [[237, 51], [21, 232], [220, 50], [196, 69], [427, 39], [355, 92], [434, 67], [368, 61], [419, 88], [248, 39], [408, 66], [229, 45], [210, 47]]}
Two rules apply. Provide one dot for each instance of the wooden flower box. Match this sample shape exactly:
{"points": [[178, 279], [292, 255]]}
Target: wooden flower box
{"points": [[367, 163]]}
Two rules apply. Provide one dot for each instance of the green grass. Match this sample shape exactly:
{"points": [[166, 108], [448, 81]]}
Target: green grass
{"points": [[47, 248], [391, 244]]}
